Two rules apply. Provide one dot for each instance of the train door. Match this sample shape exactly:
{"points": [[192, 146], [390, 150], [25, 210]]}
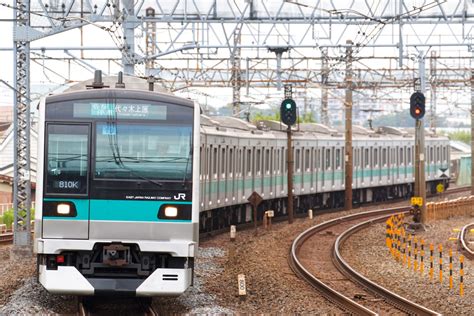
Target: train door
{"points": [[66, 196]]}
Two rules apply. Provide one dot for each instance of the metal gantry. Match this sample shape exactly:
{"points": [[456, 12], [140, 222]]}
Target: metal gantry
{"points": [[202, 44]]}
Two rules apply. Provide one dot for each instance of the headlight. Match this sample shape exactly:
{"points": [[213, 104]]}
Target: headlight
{"points": [[63, 209], [174, 212], [171, 211]]}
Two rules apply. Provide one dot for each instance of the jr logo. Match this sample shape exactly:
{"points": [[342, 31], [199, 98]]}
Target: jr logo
{"points": [[181, 196]]}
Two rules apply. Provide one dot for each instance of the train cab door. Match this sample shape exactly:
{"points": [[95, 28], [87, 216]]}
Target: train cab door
{"points": [[66, 201]]}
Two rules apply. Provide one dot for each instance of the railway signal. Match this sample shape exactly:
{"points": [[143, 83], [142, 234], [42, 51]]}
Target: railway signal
{"points": [[288, 112], [417, 105]]}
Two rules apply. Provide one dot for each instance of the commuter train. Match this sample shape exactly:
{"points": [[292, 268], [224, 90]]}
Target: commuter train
{"points": [[117, 204], [127, 179], [239, 158]]}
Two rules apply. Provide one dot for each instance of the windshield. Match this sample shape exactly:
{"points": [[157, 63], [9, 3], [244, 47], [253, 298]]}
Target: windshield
{"points": [[148, 150]]}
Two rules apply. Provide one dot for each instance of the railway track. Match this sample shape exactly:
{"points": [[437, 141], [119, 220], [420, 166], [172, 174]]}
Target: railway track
{"points": [[315, 257], [106, 305], [467, 245], [6, 238]]}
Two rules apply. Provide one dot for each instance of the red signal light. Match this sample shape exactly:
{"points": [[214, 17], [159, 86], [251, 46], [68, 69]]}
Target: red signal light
{"points": [[417, 111]]}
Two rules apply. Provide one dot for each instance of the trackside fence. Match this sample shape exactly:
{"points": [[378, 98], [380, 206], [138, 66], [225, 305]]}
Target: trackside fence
{"points": [[463, 206]]}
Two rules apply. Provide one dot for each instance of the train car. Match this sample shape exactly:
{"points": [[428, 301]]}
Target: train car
{"points": [[239, 158], [117, 202]]}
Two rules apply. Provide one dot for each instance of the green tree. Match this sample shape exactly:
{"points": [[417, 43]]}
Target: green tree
{"points": [[462, 136], [8, 217], [275, 116], [259, 116]]}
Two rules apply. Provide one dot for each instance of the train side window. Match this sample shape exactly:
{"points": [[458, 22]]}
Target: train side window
{"points": [[297, 160], [376, 157], [438, 157], [240, 164], [401, 156], [318, 158], [384, 157], [231, 163], [328, 159], [258, 161], [249, 162], [237, 161], [208, 162], [409, 155], [267, 161], [444, 153], [366, 157], [214, 163], [306, 159], [338, 161], [223, 159], [277, 160], [354, 156], [201, 164]]}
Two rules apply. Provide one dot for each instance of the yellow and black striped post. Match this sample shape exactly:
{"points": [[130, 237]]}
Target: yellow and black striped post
{"points": [[440, 263], [388, 230], [415, 254], [450, 268], [422, 254], [461, 276], [409, 251], [404, 247], [387, 234], [431, 261], [399, 233]]}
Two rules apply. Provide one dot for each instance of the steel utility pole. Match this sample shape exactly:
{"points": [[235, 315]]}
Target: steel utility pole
{"points": [[348, 129], [433, 61], [324, 87], [472, 133], [22, 180], [278, 52], [289, 95], [236, 78], [128, 49], [420, 189]]}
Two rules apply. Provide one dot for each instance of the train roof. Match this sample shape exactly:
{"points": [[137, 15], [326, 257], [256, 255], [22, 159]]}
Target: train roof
{"points": [[231, 125]]}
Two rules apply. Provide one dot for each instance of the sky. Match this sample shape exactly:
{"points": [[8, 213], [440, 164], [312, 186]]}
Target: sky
{"points": [[44, 76]]}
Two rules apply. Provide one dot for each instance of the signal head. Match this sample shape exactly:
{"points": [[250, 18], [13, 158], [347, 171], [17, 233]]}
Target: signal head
{"points": [[288, 112], [417, 105]]}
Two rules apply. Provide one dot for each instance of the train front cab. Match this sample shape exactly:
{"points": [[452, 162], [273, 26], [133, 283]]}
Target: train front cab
{"points": [[91, 244]]}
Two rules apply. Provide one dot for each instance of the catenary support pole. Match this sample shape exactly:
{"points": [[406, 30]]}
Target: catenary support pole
{"points": [[290, 176], [421, 142], [348, 128], [22, 180]]}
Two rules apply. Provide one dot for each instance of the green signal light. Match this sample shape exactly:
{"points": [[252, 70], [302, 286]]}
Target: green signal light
{"points": [[288, 106]]}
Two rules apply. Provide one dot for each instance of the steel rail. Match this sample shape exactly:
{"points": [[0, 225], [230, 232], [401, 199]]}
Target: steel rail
{"points": [[86, 306], [464, 242], [392, 298], [332, 295]]}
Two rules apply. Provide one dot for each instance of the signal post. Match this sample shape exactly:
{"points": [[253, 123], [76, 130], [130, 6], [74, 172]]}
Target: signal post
{"points": [[417, 111], [288, 116]]}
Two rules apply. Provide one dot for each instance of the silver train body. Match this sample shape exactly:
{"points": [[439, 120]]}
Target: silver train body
{"points": [[238, 158], [117, 193]]}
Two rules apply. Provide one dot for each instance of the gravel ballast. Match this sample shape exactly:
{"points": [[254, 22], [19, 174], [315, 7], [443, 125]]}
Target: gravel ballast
{"points": [[271, 285], [374, 261]]}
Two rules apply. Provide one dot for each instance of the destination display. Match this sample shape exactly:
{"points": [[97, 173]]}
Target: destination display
{"points": [[119, 110]]}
